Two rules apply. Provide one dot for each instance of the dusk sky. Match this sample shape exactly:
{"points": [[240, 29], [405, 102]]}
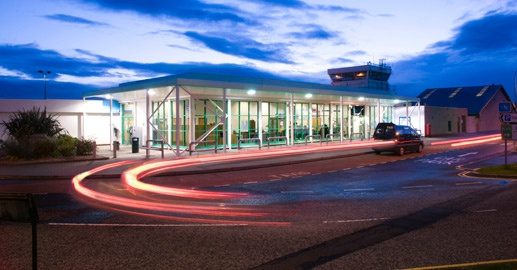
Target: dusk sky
{"points": [[94, 44]]}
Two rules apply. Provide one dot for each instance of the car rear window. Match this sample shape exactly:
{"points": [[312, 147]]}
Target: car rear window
{"points": [[384, 131]]}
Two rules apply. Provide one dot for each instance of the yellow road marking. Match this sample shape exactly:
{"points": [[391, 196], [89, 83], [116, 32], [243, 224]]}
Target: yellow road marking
{"points": [[463, 264]]}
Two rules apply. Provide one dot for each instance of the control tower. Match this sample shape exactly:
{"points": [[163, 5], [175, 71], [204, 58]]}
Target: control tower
{"points": [[368, 76]]}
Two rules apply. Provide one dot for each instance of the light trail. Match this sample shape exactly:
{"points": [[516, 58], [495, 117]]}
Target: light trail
{"points": [[479, 141], [472, 140]]}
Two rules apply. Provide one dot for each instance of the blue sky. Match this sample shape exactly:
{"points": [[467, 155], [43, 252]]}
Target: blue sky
{"points": [[92, 44]]}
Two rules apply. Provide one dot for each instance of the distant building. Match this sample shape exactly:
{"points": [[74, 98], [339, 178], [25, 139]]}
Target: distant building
{"points": [[367, 76], [453, 110]]}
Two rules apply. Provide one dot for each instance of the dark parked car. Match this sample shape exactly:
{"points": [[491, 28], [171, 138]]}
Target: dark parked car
{"points": [[405, 139]]}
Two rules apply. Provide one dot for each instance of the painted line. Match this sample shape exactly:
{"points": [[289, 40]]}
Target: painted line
{"points": [[355, 220], [462, 265], [484, 211], [468, 154], [359, 167], [358, 189], [251, 182], [274, 180], [225, 185], [332, 171], [421, 186], [316, 173], [297, 192], [144, 225], [468, 183], [345, 169]]}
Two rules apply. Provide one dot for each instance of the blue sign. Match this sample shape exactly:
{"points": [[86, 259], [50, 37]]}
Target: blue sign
{"points": [[505, 107]]}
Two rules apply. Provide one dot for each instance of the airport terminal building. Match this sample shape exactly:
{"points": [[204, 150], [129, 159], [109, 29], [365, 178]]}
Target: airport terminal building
{"points": [[196, 111]]}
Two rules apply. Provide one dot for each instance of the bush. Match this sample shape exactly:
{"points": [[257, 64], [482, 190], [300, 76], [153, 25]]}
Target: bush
{"points": [[84, 147], [23, 124], [16, 150], [43, 146], [66, 145]]}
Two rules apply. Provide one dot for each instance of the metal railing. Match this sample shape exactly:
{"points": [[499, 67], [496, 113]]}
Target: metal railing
{"points": [[313, 136], [195, 143], [148, 147], [357, 133], [239, 140], [328, 136], [268, 139]]}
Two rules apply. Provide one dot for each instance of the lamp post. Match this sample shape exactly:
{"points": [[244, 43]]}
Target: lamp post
{"points": [[45, 74]]}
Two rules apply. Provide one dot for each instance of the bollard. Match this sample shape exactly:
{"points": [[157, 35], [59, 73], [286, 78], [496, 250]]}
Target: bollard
{"points": [[114, 149], [162, 150]]}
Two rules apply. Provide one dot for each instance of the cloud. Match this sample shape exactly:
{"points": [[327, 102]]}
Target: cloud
{"points": [[357, 53], [495, 32], [337, 9], [73, 19], [483, 51], [284, 3], [184, 9], [19, 77], [312, 31], [243, 47]]}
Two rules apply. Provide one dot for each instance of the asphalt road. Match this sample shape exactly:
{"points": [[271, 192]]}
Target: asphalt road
{"points": [[363, 212]]}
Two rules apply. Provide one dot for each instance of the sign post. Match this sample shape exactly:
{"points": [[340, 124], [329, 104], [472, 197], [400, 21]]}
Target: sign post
{"points": [[506, 133], [16, 207], [507, 119]]}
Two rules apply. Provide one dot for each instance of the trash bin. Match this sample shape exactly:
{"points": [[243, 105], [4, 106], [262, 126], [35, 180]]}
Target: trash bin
{"points": [[135, 143]]}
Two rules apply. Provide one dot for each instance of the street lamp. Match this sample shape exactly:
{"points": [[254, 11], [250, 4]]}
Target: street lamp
{"points": [[45, 74]]}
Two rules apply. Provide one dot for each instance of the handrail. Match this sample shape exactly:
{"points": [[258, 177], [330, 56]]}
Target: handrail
{"points": [[328, 136], [313, 136], [203, 136], [239, 140], [154, 148], [268, 139], [356, 133], [191, 150]]}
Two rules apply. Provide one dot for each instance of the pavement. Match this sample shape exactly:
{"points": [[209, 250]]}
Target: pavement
{"points": [[274, 156]]}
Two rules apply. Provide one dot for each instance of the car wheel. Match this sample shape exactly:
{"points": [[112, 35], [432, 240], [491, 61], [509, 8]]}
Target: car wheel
{"points": [[401, 151], [377, 152], [420, 148]]}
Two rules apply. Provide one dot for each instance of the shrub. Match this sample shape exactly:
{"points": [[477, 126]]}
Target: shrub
{"points": [[66, 145], [43, 146], [23, 124], [84, 147], [14, 149]]}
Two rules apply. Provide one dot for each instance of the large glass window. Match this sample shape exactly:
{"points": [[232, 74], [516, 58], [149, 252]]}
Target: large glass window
{"points": [[321, 119], [207, 114], [184, 120], [244, 120], [128, 121], [301, 121], [273, 119], [159, 120]]}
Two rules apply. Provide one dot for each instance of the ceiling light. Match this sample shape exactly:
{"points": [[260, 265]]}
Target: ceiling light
{"points": [[151, 92], [308, 95], [360, 98], [252, 92]]}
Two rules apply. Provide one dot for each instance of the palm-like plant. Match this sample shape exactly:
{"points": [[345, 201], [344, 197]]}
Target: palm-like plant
{"points": [[23, 124]]}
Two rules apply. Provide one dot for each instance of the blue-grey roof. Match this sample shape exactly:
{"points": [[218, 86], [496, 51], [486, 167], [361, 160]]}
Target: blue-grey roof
{"points": [[474, 98], [242, 82]]}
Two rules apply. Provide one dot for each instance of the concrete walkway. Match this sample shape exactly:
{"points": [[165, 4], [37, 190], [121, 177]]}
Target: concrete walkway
{"points": [[278, 155]]}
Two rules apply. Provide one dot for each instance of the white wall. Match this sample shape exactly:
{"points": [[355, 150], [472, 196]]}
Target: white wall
{"points": [[417, 120], [70, 115]]}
